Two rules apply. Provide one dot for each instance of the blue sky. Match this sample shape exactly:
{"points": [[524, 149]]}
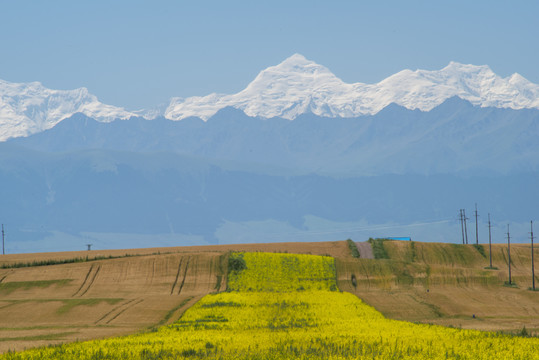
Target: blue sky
{"points": [[138, 54]]}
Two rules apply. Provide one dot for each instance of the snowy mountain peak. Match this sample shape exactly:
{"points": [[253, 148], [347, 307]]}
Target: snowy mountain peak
{"points": [[297, 63], [298, 85], [456, 67], [294, 60], [287, 90], [294, 71], [28, 108]]}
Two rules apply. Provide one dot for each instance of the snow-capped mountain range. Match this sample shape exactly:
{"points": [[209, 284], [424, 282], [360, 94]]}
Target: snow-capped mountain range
{"points": [[291, 88], [298, 86], [28, 108]]}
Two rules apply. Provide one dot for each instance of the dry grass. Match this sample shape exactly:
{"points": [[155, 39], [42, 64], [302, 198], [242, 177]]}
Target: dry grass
{"points": [[331, 248], [447, 284], [101, 298]]}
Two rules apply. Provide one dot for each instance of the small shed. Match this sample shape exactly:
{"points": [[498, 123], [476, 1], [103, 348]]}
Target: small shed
{"points": [[404, 238]]}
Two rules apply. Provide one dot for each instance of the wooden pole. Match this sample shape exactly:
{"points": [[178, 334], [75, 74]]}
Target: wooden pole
{"points": [[489, 241], [476, 227], [509, 252], [3, 243], [465, 227], [462, 225], [533, 270]]}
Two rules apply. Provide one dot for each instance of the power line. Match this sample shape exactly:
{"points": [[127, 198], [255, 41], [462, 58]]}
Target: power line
{"points": [[356, 229]]}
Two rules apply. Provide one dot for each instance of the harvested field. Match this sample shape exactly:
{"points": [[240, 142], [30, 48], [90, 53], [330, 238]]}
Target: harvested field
{"points": [[447, 284], [330, 248], [57, 303]]}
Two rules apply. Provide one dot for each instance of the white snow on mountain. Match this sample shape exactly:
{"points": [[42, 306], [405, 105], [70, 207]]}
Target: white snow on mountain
{"points": [[298, 85], [28, 108], [293, 87]]}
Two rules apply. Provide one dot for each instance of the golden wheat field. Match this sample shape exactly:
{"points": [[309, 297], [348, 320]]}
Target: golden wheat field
{"points": [[282, 306]]}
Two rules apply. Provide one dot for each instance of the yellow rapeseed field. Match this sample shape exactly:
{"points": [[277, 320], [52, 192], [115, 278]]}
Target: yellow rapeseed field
{"points": [[290, 310], [283, 272]]}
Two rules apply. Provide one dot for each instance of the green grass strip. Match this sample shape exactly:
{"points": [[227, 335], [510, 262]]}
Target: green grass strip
{"points": [[55, 336], [378, 248], [9, 287], [353, 248]]}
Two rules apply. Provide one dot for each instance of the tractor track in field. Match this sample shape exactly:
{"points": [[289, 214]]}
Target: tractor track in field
{"points": [[177, 276], [184, 275], [126, 307], [113, 310], [153, 272], [177, 312], [88, 280], [98, 268], [84, 281]]}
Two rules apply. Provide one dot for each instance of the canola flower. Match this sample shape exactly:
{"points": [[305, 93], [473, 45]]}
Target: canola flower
{"points": [[253, 322], [283, 272]]}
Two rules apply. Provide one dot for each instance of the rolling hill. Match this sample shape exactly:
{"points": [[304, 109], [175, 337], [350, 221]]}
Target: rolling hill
{"points": [[108, 293]]}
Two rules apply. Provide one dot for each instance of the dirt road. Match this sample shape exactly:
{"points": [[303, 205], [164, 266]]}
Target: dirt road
{"points": [[365, 250]]}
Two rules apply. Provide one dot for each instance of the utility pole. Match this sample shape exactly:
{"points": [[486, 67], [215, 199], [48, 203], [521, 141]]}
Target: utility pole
{"points": [[476, 234], [509, 252], [489, 241], [462, 224], [89, 246], [3, 243], [533, 270], [465, 227]]}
